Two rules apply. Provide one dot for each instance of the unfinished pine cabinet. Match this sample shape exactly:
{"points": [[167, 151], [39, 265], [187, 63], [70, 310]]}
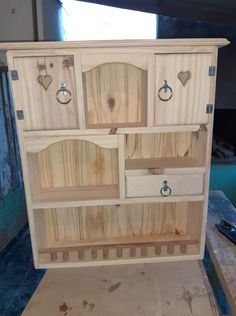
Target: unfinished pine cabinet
{"points": [[115, 140]]}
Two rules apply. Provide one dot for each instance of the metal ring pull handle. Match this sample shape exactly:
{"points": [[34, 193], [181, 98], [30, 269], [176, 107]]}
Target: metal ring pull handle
{"points": [[63, 95], [167, 90], [165, 190]]}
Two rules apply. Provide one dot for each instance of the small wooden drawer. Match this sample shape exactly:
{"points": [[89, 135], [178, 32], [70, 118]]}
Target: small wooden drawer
{"points": [[163, 185]]}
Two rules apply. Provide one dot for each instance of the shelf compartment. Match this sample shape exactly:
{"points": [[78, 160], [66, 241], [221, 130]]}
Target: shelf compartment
{"points": [[113, 232], [74, 169], [166, 150]]}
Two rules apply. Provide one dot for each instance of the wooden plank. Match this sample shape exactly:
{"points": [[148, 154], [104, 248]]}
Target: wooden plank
{"points": [[125, 43], [56, 199], [35, 144], [160, 289], [222, 251]]}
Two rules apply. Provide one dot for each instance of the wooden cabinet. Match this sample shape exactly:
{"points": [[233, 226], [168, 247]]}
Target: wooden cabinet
{"points": [[115, 142]]}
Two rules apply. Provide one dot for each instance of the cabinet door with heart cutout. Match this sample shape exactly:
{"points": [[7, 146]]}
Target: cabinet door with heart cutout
{"points": [[46, 92], [182, 88]]}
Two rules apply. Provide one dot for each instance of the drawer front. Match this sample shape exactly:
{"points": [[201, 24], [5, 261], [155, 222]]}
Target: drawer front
{"points": [[164, 185]]}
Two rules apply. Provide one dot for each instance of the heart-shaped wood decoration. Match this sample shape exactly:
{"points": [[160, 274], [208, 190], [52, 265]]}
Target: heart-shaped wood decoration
{"points": [[184, 76], [45, 81]]}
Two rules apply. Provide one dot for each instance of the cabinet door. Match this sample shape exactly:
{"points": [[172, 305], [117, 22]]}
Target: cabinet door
{"points": [[182, 89], [46, 92], [115, 89]]}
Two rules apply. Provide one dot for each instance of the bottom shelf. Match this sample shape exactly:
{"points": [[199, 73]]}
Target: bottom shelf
{"points": [[114, 252], [114, 233]]}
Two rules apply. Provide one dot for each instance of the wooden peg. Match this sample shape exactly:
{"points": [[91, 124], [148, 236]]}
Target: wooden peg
{"points": [[65, 256], [158, 250], [81, 254], [170, 249], [132, 252], [183, 248], [105, 253], [53, 256], [94, 253], [119, 252]]}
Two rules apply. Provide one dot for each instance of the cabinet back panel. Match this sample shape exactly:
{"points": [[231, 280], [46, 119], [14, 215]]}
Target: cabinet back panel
{"points": [[164, 145], [75, 163], [164, 221], [115, 95], [42, 111]]}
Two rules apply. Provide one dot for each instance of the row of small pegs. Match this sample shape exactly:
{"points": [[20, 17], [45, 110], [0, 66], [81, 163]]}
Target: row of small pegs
{"points": [[119, 251]]}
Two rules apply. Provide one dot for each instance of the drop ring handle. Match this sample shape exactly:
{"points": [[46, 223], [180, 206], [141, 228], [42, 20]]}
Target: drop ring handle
{"points": [[165, 190], [166, 88], [63, 95]]}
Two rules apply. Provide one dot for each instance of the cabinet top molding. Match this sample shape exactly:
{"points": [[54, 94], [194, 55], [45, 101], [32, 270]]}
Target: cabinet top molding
{"points": [[219, 42]]}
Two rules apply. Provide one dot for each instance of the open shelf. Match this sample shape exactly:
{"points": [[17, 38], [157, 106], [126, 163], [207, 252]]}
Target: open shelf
{"points": [[78, 194], [118, 231], [73, 170]]}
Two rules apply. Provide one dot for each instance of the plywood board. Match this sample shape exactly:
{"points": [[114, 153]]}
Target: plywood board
{"points": [[163, 289]]}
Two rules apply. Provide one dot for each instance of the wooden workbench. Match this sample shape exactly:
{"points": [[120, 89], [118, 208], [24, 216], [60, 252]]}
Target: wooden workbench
{"points": [[170, 289], [222, 251]]}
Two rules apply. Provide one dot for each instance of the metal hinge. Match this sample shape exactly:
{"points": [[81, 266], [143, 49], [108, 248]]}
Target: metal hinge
{"points": [[20, 114], [14, 75], [212, 71], [209, 108]]}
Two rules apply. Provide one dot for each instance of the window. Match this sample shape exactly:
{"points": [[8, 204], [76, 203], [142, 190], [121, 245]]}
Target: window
{"points": [[88, 21]]}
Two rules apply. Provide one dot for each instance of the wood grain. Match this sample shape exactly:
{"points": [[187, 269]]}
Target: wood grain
{"points": [[77, 163], [119, 224], [115, 94], [41, 109], [188, 103]]}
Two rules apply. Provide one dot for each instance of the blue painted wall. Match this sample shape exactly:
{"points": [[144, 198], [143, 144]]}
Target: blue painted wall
{"points": [[12, 198], [223, 177]]}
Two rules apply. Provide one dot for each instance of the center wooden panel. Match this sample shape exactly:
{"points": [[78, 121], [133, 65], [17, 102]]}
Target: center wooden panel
{"points": [[74, 163], [121, 224], [115, 94]]}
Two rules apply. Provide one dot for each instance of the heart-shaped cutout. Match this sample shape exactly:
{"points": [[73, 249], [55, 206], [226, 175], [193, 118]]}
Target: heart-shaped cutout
{"points": [[45, 81], [184, 76]]}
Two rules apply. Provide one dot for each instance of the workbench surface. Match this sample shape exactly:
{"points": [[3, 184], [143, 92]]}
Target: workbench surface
{"points": [[170, 289], [222, 251]]}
